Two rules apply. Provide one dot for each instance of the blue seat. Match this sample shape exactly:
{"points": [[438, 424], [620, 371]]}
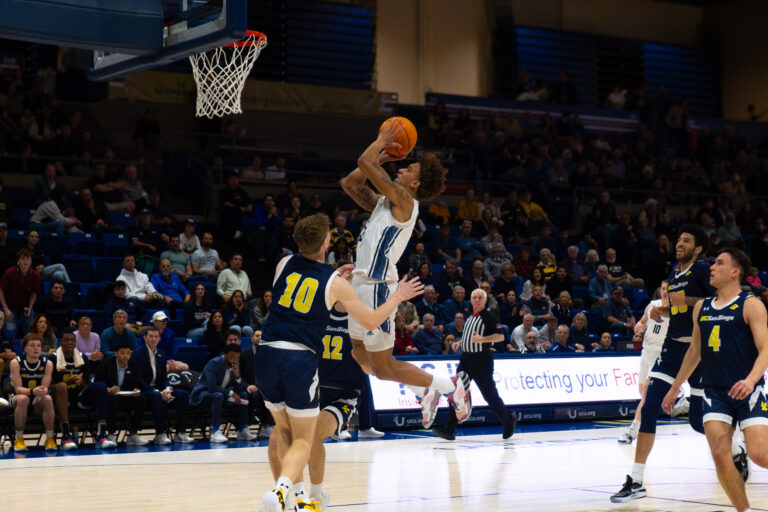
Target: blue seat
{"points": [[54, 246], [245, 343], [115, 239], [118, 251], [93, 294], [106, 268], [641, 299], [74, 238], [22, 215], [17, 233], [97, 316], [90, 248], [124, 220], [78, 266], [595, 321]]}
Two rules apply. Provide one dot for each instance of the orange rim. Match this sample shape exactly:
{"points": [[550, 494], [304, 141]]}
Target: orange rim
{"points": [[247, 42]]}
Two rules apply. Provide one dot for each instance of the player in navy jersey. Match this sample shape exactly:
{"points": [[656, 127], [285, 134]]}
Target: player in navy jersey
{"points": [[305, 289], [688, 283], [730, 338]]}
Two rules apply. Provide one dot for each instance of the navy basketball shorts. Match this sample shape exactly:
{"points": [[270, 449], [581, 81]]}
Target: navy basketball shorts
{"points": [[288, 380], [747, 412], [669, 363], [342, 403]]}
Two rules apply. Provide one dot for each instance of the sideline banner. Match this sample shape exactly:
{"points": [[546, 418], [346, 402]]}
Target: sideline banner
{"points": [[534, 381]]}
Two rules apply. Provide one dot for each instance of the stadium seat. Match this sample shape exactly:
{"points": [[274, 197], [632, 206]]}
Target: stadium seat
{"points": [[93, 294], [17, 233], [90, 248], [22, 215], [54, 246], [106, 268], [115, 239], [595, 321], [194, 355], [97, 316], [123, 220], [79, 267]]}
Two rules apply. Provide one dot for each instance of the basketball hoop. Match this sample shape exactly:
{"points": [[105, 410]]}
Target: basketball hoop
{"points": [[220, 75]]}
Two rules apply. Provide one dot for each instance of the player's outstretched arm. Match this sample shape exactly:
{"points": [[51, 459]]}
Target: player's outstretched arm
{"points": [[756, 317], [370, 163], [342, 291], [690, 361]]}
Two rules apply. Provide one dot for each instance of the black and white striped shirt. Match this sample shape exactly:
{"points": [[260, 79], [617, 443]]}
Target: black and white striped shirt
{"points": [[484, 323]]}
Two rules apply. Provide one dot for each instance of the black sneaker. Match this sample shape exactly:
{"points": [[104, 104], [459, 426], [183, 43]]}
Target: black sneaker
{"points": [[742, 463], [630, 491], [448, 436], [509, 428]]}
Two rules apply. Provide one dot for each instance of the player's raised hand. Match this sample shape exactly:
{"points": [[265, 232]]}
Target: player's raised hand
{"points": [[390, 131], [409, 289], [741, 390]]}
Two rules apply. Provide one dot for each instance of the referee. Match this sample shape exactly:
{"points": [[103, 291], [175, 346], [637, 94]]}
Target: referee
{"points": [[481, 329]]}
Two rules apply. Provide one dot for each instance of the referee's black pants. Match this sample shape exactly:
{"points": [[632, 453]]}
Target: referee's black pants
{"points": [[479, 368]]}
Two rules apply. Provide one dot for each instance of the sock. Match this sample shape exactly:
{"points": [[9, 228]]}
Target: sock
{"points": [[101, 428], [442, 384], [417, 390], [64, 428], [316, 491], [19, 433], [285, 484], [637, 472], [737, 445], [298, 491], [49, 433]]}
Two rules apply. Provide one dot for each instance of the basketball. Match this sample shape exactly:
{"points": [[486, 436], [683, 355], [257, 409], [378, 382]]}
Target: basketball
{"points": [[406, 138]]}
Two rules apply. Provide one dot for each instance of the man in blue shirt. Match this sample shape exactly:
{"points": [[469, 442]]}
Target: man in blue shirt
{"points": [[169, 285], [115, 336], [617, 313], [600, 287], [445, 246], [428, 340], [538, 305], [469, 245], [428, 305], [456, 304], [448, 279]]}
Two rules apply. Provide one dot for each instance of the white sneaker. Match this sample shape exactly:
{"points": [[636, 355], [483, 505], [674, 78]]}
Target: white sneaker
{"points": [[344, 436], [218, 437], [681, 408], [629, 434], [162, 439], [265, 432], [182, 438], [136, 440], [245, 435], [369, 433], [429, 403], [274, 501], [323, 501]]}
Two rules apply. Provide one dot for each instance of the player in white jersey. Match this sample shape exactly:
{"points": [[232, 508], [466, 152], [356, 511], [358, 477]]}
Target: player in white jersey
{"points": [[381, 244], [653, 339]]}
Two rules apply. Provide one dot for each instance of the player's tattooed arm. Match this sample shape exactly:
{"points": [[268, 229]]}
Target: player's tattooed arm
{"points": [[354, 185]]}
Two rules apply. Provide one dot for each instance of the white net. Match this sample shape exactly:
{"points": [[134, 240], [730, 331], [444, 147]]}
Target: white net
{"points": [[220, 75]]}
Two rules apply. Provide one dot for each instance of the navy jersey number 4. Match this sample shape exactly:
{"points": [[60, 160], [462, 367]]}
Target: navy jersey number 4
{"points": [[300, 312]]}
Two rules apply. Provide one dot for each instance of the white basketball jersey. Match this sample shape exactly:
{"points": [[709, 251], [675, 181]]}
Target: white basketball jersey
{"points": [[655, 332], [382, 241]]}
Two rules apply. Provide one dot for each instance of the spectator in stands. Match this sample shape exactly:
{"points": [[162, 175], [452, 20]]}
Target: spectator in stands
{"points": [[57, 308], [446, 246], [135, 309], [524, 265], [277, 170], [137, 284], [492, 303], [119, 372], [260, 310], [403, 340], [559, 283], [469, 245], [232, 279], [161, 213], [169, 286], [167, 344], [215, 335], [254, 172], [425, 274], [575, 268], [519, 333], [340, 232], [340, 255], [42, 328], [18, 292], [537, 278], [235, 204], [439, 212], [456, 327], [428, 305], [604, 219], [450, 345], [617, 313], [538, 306], [237, 314], [46, 184], [548, 332], [564, 343], [477, 276], [510, 310], [87, 342], [429, 339], [600, 287], [532, 344], [408, 309], [507, 280], [48, 216], [562, 310], [729, 233], [456, 304], [149, 239], [52, 272], [547, 264], [448, 279], [591, 262], [189, 240], [417, 257], [181, 263], [196, 312], [31, 391], [616, 273], [206, 261], [579, 332], [109, 190], [219, 384], [133, 188], [469, 209], [113, 337], [92, 213], [498, 258], [152, 363], [72, 388], [617, 98], [605, 344]]}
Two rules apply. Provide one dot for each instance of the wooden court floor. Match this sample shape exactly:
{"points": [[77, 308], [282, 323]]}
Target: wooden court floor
{"points": [[562, 470]]}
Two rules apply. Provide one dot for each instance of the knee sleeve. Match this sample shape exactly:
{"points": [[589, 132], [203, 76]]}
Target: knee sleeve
{"points": [[696, 413], [657, 389]]}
